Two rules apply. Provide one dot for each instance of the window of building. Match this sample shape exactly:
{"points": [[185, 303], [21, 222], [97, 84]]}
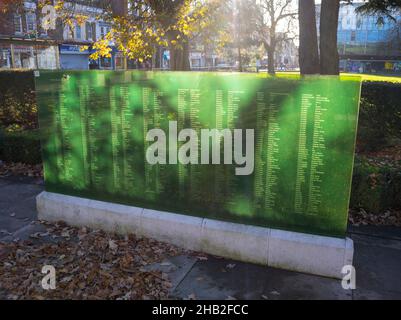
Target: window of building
{"points": [[89, 31], [5, 57], [78, 31], [30, 21], [43, 22], [380, 23], [371, 23], [119, 61], [46, 57], [196, 62], [94, 32], [17, 23], [68, 32], [353, 35], [104, 30], [43, 32], [24, 57], [359, 23], [105, 63]]}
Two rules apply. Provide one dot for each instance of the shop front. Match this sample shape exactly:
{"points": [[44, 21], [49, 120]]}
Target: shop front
{"points": [[27, 55], [73, 57]]}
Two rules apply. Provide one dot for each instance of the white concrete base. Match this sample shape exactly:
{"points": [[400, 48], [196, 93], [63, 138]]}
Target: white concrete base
{"points": [[289, 250]]}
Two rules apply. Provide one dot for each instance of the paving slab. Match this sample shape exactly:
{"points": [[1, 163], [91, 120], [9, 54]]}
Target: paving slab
{"points": [[287, 285], [381, 232], [17, 208], [4, 182], [378, 268], [25, 233], [10, 225], [13, 194], [25, 209], [176, 268], [217, 278], [224, 279]]}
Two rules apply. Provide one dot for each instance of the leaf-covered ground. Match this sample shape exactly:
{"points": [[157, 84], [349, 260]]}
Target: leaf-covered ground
{"points": [[386, 157], [359, 217], [89, 264], [390, 158], [20, 169]]}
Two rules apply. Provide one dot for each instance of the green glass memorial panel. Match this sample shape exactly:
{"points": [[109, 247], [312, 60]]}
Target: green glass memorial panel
{"points": [[95, 146]]}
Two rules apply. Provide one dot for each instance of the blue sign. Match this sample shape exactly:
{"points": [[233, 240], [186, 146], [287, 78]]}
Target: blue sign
{"points": [[68, 48]]}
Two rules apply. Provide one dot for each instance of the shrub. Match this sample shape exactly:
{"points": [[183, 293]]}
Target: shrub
{"points": [[375, 188], [18, 109], [21, 146], [379, 115]]}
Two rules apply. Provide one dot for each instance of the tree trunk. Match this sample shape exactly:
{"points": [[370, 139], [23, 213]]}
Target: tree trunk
{"points": [[271, 51], [270, 62], [329, 59], [179, 55], [157, 58], [120, 9], [308, 48]]}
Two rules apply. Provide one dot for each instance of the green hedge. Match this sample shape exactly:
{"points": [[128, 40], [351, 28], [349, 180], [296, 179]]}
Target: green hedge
{"points": [[375, 188], [23, 146], [18, 109], [379, 115]]}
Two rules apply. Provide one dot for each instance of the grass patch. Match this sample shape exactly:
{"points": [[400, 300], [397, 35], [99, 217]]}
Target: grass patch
{"points": [[364, 77]]}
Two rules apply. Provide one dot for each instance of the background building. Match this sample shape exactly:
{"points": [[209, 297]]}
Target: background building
{"points": [[23, 43], [79, 36], [368, 43], [286, 56]]}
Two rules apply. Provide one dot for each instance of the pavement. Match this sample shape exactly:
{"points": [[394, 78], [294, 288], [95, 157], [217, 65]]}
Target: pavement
{"points": [[377, 260]]}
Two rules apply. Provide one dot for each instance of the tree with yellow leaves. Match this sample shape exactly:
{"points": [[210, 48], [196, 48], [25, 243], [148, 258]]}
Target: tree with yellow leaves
{"points": [[138, 27], [141, 26]]}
